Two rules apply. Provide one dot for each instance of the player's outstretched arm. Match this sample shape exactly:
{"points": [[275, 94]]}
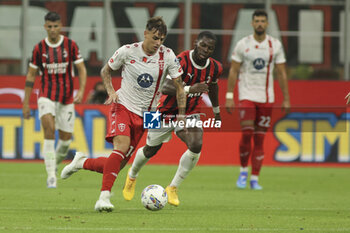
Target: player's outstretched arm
{"points": [[213, 96], [181, 99], [170, 89], [82, 82], [347, 97], [283, 81], [231, 83], [107, 81], [30, 78]]}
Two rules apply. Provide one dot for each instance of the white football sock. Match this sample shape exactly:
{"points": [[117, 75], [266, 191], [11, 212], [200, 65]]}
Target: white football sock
{"points": [[139, 161], [49, 157], [187, 162], [254, 177], [62, 150], [243, 169]]}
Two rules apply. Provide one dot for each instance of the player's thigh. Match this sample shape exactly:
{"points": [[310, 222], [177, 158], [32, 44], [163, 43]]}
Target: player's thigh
{"points": [[150, 151], [121, 143], [193, 138], [65, 117], [119, 125], [263, 116], [64, 135], [46, 106], [247, 113], [48, 124], [156, 137]]}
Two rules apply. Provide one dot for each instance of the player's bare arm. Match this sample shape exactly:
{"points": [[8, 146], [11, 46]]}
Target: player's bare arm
{"points": [[170, 89], [27, 91], [181, 99], [231, 82], [82, 82], [180, 95], [107, 81], [347, 97], [283, 81], [214, 98]]}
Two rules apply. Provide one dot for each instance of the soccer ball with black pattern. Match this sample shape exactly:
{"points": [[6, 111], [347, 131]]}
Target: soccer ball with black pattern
{"points": [[154, 197]]}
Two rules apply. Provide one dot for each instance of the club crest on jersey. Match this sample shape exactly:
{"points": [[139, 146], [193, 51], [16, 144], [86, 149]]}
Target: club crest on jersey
{"points": [[145, 80], [259, 63], [121, 127]]}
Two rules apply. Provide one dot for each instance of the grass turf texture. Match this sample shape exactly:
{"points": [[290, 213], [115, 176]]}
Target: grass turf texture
{"points": [[294, 199]]}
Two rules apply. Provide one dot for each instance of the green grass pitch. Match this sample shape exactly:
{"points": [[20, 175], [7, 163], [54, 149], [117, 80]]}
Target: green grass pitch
{"points": [[294, 199]]}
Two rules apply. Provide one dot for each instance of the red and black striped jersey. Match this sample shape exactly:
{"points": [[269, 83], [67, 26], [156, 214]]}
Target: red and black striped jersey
{"points": [[55, 63], [192, 74]]}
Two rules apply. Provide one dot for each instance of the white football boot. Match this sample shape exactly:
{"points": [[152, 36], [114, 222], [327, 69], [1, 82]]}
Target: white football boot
{"points": [[74, 166], [103, 203]]}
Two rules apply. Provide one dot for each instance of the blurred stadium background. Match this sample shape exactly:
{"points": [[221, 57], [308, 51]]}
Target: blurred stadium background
{"points": [[316, 39]]}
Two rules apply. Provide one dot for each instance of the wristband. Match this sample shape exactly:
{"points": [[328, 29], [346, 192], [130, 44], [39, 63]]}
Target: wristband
{"points": [[229, 95], [216, 110], [187, 89], [29, 84]]}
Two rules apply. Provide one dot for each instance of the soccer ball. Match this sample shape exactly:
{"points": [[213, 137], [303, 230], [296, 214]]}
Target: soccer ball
{"points": [[154, 197]]}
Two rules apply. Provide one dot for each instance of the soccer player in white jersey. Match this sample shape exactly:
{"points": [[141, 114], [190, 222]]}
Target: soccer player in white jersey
{"points": [[144, 68], [253, 61]]}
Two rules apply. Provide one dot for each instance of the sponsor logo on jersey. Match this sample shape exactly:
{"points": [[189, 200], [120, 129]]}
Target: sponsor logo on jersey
{"points": [[259, 63], [145, 80]]}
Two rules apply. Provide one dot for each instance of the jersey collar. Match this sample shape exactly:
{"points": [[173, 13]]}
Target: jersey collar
{"points": [[54, 45], [198, 66]]}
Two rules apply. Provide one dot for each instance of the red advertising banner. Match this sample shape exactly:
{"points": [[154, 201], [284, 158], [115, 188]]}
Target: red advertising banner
{"points": [[315, 132]]}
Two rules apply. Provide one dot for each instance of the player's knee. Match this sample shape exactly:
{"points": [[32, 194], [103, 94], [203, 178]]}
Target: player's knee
{"points": [[195, 146], [150, 151], [49, 132]]}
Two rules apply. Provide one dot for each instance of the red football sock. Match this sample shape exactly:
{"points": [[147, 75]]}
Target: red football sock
{"points": [[96, 164], [258, 152], [111, 169], [245, 145]]}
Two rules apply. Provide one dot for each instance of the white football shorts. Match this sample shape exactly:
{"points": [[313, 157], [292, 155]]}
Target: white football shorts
{"points": [[64, 113], [156, 137]]}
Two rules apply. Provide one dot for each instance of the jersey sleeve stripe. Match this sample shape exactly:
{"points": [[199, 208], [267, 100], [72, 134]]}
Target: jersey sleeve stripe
{"points": [[33, 66], [79, 61]]}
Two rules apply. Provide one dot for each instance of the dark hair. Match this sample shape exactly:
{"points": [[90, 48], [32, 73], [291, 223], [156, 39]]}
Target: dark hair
{"points": [[98, 84], [52, 16], [158, 24], [260, 12], [207, 34]]}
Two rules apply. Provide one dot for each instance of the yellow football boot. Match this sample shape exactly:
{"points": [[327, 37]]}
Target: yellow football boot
{"points": [[129, 187], [173, 199]]}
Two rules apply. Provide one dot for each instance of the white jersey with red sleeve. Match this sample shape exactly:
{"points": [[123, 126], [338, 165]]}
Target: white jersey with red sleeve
{"points": [[255, 82], [143, 75]]}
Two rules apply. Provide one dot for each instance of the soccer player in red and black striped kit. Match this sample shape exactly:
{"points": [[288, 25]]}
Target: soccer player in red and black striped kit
{"points": [[201, 73], [54, 57]]}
